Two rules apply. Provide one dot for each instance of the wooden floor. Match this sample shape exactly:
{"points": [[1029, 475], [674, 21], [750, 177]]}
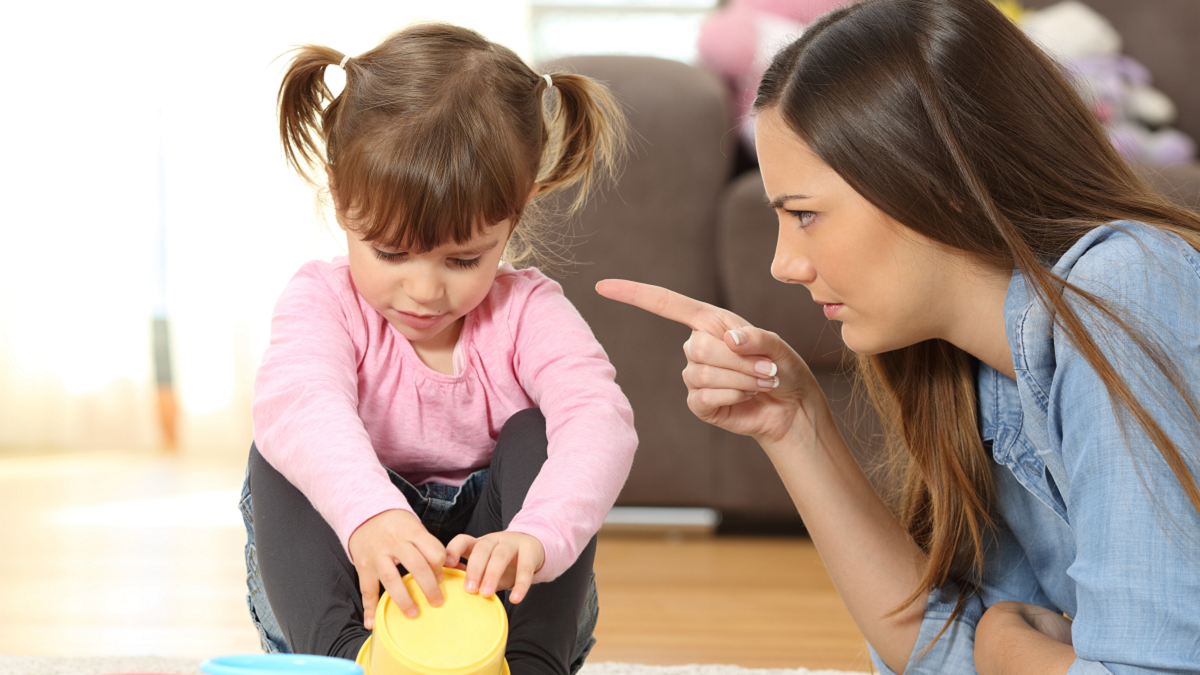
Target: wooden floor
{"points": [[138, 553]]}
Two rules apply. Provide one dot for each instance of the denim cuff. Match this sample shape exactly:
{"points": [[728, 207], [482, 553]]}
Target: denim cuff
{"points": [[954, 651], [1082, 667]]}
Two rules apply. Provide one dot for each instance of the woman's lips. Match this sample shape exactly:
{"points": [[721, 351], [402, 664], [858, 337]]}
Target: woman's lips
{"points": [[420, 321], [831, 308]]}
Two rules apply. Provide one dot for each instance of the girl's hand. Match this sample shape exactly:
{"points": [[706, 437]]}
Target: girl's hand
{"points": [[739, 378], [396, 537], [497, 561]]}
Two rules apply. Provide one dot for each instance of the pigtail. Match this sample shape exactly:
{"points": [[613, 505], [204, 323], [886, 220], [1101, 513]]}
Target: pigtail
{"points": [[587, 136], [307, 108]]}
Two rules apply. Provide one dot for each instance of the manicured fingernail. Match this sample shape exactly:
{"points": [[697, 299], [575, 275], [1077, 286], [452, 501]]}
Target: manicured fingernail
{"points": [[767, 368], [768, 384], [738, 336]]}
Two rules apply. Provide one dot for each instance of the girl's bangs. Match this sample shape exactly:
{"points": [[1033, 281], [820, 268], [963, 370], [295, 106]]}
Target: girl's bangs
{"points": [[429, 188]]}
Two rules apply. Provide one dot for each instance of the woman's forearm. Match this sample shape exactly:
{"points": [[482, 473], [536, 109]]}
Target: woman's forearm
{"points": [[872, 561]]}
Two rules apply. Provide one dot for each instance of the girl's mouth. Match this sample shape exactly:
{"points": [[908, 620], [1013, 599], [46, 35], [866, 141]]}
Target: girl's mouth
{"points": [[420, 321], [831, 309]]}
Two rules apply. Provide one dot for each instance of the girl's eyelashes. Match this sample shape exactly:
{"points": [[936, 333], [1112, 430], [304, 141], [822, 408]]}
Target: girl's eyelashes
{"points": [[805, 217], [398, 256]]}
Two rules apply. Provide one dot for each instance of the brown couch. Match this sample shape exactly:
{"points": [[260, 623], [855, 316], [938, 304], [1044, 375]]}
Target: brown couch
{"points": [[680, 218]]}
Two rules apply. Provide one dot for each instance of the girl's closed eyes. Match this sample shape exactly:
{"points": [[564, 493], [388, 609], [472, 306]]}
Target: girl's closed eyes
{"points": [[400, 256]]}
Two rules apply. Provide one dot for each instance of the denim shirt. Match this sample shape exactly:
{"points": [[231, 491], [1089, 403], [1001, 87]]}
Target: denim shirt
{"points": [[1086, 530]]}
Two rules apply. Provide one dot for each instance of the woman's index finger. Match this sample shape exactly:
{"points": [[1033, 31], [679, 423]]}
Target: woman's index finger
{"points": [[656, 300]]}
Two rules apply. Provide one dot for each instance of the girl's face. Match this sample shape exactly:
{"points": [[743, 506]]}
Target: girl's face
{"points": [[889, 286], [426, 295]]}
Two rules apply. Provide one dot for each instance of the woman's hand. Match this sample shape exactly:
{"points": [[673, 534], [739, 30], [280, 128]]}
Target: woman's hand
{"points": [[392, 538], [739, 378], [1017, 637], [497, 561]]}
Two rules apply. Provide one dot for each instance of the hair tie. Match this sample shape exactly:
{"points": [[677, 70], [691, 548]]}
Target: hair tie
{"points": [[335, 80], [549, 82]]}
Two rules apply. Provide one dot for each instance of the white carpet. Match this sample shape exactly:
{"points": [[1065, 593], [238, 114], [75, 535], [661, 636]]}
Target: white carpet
{"points": [[44, 665]]}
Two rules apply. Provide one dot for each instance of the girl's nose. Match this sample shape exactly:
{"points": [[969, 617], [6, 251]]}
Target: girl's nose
{"points": [[791, 264], [424, 288]]}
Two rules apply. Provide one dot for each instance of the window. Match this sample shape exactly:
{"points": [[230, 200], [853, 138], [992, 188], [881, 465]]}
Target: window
{"points": [[663, 28]]}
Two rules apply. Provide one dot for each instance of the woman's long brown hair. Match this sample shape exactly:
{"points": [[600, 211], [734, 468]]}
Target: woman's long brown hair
{"points": [[947, 118], [439, 133]]}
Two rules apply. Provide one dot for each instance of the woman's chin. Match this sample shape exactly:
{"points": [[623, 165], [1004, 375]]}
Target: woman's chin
{"points": [[865, 344]]}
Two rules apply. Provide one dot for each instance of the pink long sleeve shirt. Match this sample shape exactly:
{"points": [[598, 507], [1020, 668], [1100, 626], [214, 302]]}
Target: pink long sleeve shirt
{"points": [[341, 394]]}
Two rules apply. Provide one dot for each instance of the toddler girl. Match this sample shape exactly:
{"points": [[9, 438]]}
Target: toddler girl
{"points": [[422, 402]]}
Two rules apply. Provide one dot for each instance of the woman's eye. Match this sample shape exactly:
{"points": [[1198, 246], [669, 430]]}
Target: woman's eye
{"points": [[805, 217], [466, 263], [387, 256]]}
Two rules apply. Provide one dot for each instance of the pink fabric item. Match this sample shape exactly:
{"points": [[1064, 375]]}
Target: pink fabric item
{"points": [[340, 394]]}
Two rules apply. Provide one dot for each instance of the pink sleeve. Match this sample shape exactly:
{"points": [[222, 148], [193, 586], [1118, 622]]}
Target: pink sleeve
{"points": [[589, 424], [305, 406]]}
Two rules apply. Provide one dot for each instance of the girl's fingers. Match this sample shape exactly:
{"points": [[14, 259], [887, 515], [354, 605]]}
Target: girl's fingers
{"points": [[435, 556], [368, 585], [497, 565], [423, 574], [525, 571], [460, 547], [389, 576], [477, 564]]}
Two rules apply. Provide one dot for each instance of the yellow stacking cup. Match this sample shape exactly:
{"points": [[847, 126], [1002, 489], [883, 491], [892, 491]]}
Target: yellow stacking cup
{"points": [[465, 636]]}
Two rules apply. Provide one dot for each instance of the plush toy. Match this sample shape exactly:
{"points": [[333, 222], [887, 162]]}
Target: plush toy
{"points": [[739, 41], [1134, 114]]}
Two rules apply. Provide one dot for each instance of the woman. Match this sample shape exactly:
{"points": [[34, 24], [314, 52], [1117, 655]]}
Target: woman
{"points": [[1026, 315]]}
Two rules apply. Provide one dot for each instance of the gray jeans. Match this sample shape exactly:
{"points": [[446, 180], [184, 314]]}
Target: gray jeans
{"points": [[303, 591]]}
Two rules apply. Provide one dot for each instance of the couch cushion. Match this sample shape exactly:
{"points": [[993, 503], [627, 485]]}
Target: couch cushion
{"points": [[656, 226]]}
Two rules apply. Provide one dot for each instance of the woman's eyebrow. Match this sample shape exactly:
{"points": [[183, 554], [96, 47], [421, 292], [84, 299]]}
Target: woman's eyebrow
{"points": [[778, 202]]}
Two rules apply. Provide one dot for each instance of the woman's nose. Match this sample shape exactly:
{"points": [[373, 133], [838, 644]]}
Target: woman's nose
{"points": [[791, 264]]}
